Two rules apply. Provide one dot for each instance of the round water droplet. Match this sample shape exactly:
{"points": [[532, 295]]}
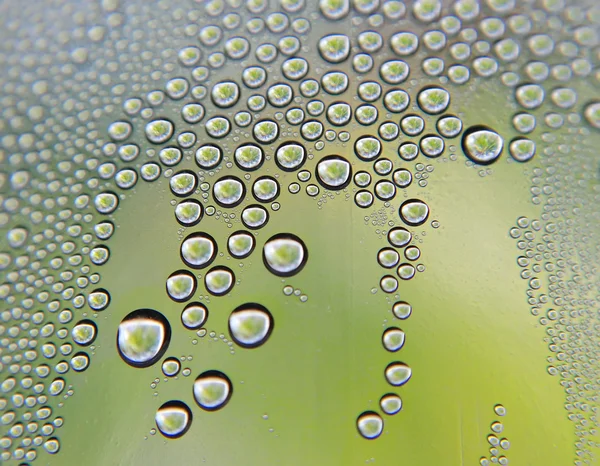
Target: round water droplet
{"points": [[84, 332], [171, 367], [229, 191], [173, 419], [404, 43], [254, 217], [592, 114], [394, 71], [335, 48], [159, 131], [397, 373], [194, 316], [285, 254], [266, 131], [181, 285], [250, 325], [219, 281], [522, 149], [367, 148], [414, 212], [388, 284], [106, 203], [212, 390], [449, 126], [143, 337], [393, 339], [209, 156], [241, 244], [225, 94], [183, 183], [370, 425], [99, 299], [388, 257], [290, 156], [482, 145], [189, 212], [334, 172], [363, 199], [390, 404], [249, 157], [265, 189], [198, 250]]}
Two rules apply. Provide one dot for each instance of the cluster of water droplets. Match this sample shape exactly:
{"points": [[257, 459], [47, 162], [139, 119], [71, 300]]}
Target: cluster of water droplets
{"points": [[233, 103]]}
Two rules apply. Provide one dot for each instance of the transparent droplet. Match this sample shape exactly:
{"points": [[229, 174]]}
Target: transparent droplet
{"points": [[173, 419], [285, 254], [198, 250], [212, 390], [370, 425], [194, 316], [181, 285], [397, 373], [414, 212], [482, 145], [250, 325]]}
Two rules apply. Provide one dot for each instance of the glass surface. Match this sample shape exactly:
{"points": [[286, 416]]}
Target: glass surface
{"points": [[299, 232]]}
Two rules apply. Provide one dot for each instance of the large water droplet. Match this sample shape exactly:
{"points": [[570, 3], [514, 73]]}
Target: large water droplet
{"points": [[334, 172], [212, 390], [285, 254], [370, 425], [250, 325], [414, 212], [482, 145], [173, 419], [397, 373], [143, 337]]}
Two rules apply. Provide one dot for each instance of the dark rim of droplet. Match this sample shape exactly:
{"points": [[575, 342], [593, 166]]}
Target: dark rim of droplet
{"points": [[296, 270], [249, 307], [239, 201], [190, 305], [370, 158], [158, 118], [334, 188], [221, 268], [443, 117], [92, 324], [463, 143], [288, 169], [219, 159], [437, 136], [251, 249], [364, 414], [194, 286], [186, 172], [266, 178], [101, 290], [81, 354], [175, 360], [389, 330], [195, 222], [377, 194], [250, 169], [257, 227], [334, 123], [414, 224], [150, 314], [204, 236], [175, 404], [218, 375]]}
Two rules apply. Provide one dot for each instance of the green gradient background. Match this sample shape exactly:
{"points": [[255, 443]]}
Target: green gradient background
{"points": [[471, 341]]}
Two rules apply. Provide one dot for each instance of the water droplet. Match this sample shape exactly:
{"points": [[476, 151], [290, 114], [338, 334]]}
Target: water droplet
{"points": [[143, 337], [334, 172], [393, 339], [241, 244], [285, 255], [84, 332], [181, 285], [370, 425], [159, 131], [522, 149], [414, 212], [194, 316], [397, 373], [482, 145], [173, 419], [335, 48], [250, 325], [390, 404], [212, 390], [219, 280], [229, 191]]}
